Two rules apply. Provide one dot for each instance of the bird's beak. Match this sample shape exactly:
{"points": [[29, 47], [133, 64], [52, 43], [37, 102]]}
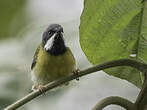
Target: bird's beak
{"points": [[60, 30]]}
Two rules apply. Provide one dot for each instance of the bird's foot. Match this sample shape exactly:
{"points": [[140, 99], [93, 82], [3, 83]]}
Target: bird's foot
{"points": [[34, 88], [38, 87], [41, 87], [76, 72]]}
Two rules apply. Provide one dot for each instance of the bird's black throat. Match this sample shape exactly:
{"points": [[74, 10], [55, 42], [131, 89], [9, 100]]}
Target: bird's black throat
{"points": [[58, 46]]}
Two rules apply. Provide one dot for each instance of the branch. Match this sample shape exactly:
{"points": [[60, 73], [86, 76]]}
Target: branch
{"points": [[122, 62], [141, 101], [117, 101]]}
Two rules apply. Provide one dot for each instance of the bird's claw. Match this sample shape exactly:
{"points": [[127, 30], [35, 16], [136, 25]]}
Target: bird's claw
{"points": [[76, 72], [41, 87]]}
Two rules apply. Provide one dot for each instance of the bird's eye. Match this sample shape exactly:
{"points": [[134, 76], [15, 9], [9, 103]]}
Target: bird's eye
{"points": [[50, 32]]}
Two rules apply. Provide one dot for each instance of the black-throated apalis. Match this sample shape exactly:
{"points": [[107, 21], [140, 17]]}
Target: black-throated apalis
{"points": [[52, 59]]}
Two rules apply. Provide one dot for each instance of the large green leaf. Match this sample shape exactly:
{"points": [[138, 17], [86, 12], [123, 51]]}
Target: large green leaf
{"points": [[115, 29]]}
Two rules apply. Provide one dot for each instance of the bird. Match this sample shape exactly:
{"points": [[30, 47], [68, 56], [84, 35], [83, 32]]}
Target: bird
{"points": [[52, 59]]}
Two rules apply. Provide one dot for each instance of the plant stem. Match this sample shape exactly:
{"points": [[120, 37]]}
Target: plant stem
{"points": [[122, 62], [141, 101], [117, 101]]}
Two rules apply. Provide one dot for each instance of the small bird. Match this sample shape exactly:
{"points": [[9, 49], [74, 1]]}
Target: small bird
{"points": [[52, 59]]}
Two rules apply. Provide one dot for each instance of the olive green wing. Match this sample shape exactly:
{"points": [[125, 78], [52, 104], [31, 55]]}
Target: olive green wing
{"points": [[35, 57]]}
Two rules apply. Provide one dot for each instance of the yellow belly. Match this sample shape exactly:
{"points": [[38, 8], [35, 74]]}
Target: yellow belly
{"points": [[49, 68]]}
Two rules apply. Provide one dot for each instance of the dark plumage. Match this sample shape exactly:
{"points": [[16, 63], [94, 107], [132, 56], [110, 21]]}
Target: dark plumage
{"points": [[58, 46]]}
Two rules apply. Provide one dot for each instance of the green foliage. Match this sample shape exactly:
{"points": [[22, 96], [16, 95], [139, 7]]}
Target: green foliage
{"points": [[115, 29], [12, 17]]}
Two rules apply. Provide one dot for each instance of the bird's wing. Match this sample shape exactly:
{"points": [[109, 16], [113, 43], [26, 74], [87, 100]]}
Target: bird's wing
{"points": [[35, 57]]}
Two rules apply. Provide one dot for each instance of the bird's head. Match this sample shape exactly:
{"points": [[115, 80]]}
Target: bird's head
{"points": [[53, 39]]}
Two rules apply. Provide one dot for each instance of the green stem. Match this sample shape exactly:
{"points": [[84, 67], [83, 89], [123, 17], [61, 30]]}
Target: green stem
{"points": [[122, 62], [117, 101], [141, 101]]}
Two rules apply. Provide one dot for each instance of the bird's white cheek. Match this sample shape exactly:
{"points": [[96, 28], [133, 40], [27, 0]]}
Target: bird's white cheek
{"points": [[49, 43]]}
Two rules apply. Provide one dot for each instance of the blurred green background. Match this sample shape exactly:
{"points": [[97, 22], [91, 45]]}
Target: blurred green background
{"points": [[11, 13], [22, 23]]}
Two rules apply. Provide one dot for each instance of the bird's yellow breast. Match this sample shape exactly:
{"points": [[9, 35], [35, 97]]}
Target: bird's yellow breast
{"points": [[49, 68]]}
